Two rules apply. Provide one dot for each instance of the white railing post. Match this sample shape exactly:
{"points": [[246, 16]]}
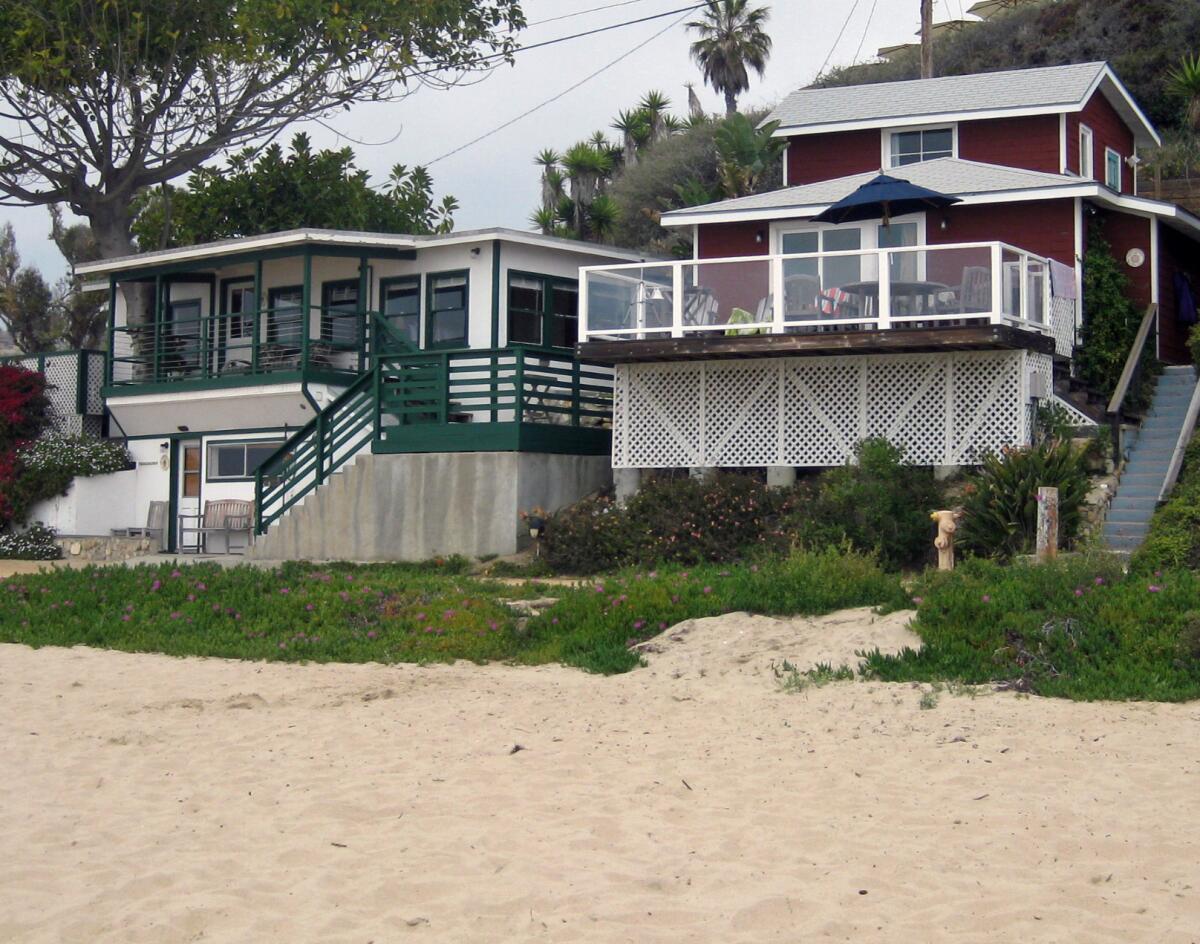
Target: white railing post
{"points": [[1024, 287], [677, 300], [585, 275], [639, 317], [884, 315], [778, 302], [997, 284]]}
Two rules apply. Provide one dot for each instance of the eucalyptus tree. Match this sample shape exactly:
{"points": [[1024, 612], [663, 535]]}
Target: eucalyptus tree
{"points": [[732, 40], [101, 99]]}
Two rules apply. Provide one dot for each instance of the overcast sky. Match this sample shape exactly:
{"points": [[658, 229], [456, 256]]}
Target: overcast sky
{"points": [[495, 180]]}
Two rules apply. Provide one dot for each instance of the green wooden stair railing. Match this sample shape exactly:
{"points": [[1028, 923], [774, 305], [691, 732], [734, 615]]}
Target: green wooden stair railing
{"points": [[333, 437]]}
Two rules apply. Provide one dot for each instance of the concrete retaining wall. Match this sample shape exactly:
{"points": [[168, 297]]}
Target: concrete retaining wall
{"points": [[413, 507], [93, 505]]}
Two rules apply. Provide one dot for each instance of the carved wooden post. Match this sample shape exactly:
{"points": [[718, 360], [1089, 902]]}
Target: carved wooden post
{"points": [[1047, 524], [944, 542]]}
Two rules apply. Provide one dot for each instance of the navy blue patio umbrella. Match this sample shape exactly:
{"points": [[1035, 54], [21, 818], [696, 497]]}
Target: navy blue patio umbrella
{"points": [[883, 198]]}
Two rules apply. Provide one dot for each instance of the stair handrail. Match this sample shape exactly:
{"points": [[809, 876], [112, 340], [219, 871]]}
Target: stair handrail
{"points": [[1181, 444], [277, 461], [1130, 373]]}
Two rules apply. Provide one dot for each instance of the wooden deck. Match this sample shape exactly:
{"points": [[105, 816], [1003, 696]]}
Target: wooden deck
{"points": [[893, 341]]}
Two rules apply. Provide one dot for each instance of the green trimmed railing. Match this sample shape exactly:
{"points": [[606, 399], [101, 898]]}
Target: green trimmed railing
{"points": [[498, 399], [333, 437]]}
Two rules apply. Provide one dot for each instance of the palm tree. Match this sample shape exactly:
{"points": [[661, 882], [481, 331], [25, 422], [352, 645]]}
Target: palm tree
{"points": [[745, 153], [634, 128], [544, 220], [552, 179], [602, 218], [731, 39], [655, 105], [584, 166], [1184, 81]]}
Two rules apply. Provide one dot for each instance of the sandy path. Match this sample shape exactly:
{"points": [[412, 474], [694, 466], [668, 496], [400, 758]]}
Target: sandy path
{"points": [[153, 799]]}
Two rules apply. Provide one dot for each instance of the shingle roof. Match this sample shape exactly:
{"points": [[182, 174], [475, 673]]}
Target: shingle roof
{"points": [[1049, 88], [948, 175]]}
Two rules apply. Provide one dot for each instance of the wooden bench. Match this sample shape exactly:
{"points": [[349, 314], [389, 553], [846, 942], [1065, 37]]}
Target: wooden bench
{"points": [[227, 516]]}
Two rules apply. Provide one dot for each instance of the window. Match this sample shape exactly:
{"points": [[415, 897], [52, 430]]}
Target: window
{"points": [[232, 461], [285, 321], [927, 144], [903, 266], [190, 486], [1112, 169], [402, 307], [447, 310], [340, 318], [181, 344], [1085, 152], [239, 309], [804, 280], [542, 310]]}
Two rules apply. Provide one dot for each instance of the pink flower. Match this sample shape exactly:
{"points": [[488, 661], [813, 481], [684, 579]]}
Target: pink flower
{"points": [[284, 590], [216, 607], [1099, 581], [154, 587], [176, 615], [201, 587], [639, 624], [1154, 588], [493, 625], [662, 625], [420, 617], [986, 598], [708, 589], [126, 618], [191, 598], [283, 645], [176, 573], [448, 614], [344, 595], [554, 622], [350, 577], [372, 634], [310, 607], [1078, 591], [918, 600]]}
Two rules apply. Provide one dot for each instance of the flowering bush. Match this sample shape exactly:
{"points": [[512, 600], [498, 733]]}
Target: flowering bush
{"points": [[74, 455], [37, 543], [25, 411]]}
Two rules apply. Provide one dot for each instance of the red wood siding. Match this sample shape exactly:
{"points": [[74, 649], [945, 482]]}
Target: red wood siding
{"points": [[1032, 142], [1176, 253], [1044, 227], [1108, 131], [1125, 232], [725, 240], [813, 157]]}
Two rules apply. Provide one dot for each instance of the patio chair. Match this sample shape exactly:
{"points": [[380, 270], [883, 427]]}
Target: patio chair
{"points": [[975, 295], [156, 525], [227, 517]]}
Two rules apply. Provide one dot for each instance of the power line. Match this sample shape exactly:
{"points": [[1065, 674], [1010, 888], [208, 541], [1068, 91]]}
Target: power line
{"points": [[567, 16], [601, 29], [866, 29], [841, 32], [564, 92]]}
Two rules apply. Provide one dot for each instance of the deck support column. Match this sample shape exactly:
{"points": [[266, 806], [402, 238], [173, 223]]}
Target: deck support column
{"points": [[781, 476], [628, 483], [702, 473]]}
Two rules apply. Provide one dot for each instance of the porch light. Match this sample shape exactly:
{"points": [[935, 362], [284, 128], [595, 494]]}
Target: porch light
{"points": [[182, 429], [760, 236]]}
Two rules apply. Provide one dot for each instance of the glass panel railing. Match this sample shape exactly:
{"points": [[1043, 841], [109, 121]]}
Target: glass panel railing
{"points": [[1010, 282], [632, 301], [929, 286], [727, 298], [1037, 290]]}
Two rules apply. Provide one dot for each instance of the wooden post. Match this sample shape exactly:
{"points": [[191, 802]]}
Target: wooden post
{"points": [[947, 524], [927, 39], [1047, 524]]}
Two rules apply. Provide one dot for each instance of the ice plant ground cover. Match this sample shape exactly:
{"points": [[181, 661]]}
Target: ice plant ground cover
{"points": [[407, 613]]}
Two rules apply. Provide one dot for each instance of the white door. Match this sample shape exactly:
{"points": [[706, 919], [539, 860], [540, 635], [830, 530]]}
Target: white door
{"points": [[189, 479]]}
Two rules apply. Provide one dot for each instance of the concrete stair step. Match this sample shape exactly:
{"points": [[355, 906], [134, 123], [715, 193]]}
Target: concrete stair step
{"points": [[1125, 517]]}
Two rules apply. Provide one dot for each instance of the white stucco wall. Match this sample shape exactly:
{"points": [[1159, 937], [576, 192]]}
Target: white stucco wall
{"points": [[92, 506]]}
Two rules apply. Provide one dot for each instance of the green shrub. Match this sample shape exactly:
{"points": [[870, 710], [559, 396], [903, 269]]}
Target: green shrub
{"points": [[1000, 500], [875, 505], [35, 543], [1174, 536], [1075, 628]]}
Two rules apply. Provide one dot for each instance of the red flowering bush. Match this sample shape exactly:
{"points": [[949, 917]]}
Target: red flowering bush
{"points": [[25, 413]]}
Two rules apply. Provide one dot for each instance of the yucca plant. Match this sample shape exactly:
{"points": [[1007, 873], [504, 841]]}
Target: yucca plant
{"points": [[1000, 501], [1184, 81], [655, 104], [602, 217]]}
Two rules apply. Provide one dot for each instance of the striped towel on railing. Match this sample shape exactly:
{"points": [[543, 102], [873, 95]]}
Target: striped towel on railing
{"points": [[831, 301]]}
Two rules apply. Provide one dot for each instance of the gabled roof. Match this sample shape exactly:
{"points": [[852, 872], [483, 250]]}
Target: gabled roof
{"points": [[972, 181], [949, 175], [1049, 90], [347, 238]]}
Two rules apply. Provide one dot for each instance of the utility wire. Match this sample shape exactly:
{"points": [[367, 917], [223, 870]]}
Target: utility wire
{"points": [[567, 16], [564, 92], [841, 32], [866, 29]]}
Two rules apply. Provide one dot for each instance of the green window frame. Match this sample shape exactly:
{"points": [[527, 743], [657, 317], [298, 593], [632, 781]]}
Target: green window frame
{"points": [[448, 308], [405, 316], [288, 329], [340, 324], [542, 309], [260, 449]]}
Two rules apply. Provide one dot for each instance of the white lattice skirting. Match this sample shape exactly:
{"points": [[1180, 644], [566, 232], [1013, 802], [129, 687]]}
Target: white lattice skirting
{"points": [[945, 409]]}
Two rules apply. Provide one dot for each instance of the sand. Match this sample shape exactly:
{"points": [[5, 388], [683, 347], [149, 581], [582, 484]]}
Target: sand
{"points": [[151, 799]]}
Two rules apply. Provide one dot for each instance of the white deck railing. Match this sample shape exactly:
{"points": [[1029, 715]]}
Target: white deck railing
{"points": [[876, 289]]}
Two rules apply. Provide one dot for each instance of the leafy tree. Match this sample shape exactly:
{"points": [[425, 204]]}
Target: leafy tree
{"points": [[745, 154], [41, 317], [1110, 319], [113, 97], [732, 41], [266, 191]]}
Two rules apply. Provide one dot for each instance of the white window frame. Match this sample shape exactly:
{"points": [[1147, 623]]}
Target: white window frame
{"points": [[868, 229], [1109, 153], [886, 135], [1087, 155]]}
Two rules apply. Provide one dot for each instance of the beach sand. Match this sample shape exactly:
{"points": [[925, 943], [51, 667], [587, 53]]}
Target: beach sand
{"points": [[152, 799]]}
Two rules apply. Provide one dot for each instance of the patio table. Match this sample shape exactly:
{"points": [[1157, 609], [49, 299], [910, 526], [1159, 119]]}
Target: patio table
{"points": [[923, 295]]}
